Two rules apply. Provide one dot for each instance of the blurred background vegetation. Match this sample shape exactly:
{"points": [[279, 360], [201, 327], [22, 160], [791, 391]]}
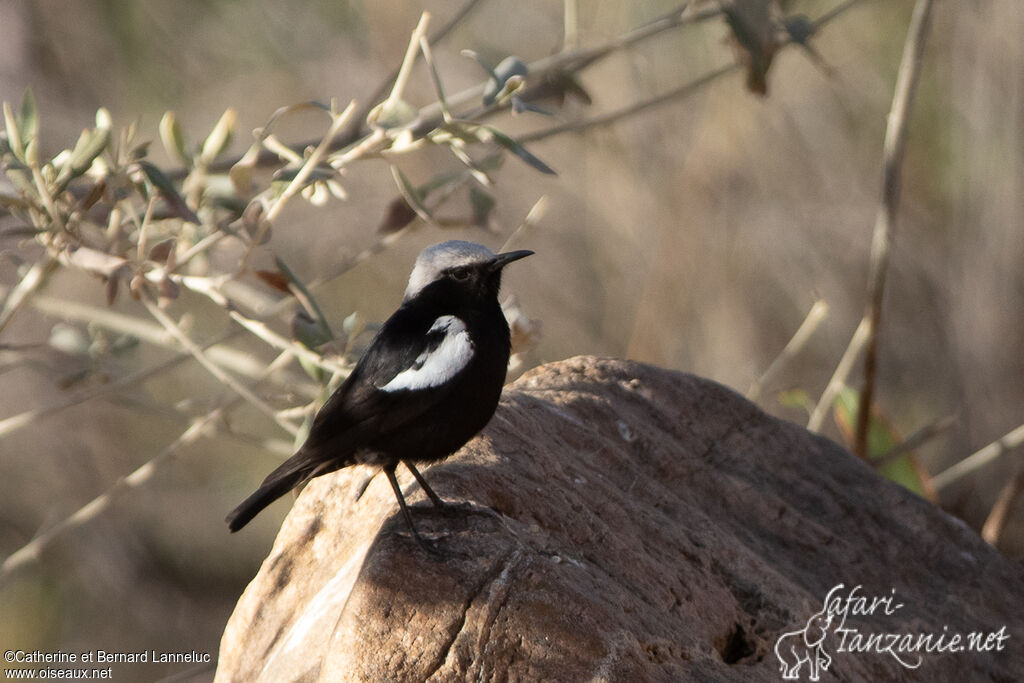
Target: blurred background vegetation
{"points": [[696, 233]]}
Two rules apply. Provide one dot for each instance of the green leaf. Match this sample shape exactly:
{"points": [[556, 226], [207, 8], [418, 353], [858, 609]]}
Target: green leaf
{"points": [[353, 325], [14, 139], [28, 119], [882, 438], [219, 138], [318, 332], [398, 215], [241, 173], [411, 195], [165, 188], [173, 139], [321, 172], [466, 131], [484, 64], [797, 399], [393, 115], [513, 146], [507, 77], [90, 145], [314, 371], [309, 332], [482, 203], [291, 109], [437, 182]]}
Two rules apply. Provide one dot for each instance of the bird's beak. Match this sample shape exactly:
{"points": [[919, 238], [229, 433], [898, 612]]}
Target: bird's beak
{"points": [[502, 260]]}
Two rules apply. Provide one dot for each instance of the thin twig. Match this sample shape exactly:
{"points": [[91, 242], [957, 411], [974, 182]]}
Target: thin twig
{"points": [[683, 90], [179, 414], [428, 57], [228, 357], [32, 550], [570, 25], [983, 456], [272, 338], [33, 280], [565, 61], [915, 441], [398, 89], [571, 61], [299, 181], [992, 529], [15, 422], [838, 379], [359, 120], [678, 17], [886, 220], [215, 369], [818, 312], [202, 426]]}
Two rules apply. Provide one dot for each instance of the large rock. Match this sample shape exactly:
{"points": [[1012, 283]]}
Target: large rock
{"points": [[626, 523]]}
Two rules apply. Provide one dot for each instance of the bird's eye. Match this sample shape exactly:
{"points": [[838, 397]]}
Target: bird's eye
{"points": [[460, 273]]}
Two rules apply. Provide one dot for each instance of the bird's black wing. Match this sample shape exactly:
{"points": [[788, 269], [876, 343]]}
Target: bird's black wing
{"points": [[361, 408], [375, 399]]}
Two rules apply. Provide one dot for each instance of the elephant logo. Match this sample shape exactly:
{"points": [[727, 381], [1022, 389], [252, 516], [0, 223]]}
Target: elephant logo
{"points": [[805, 647]]}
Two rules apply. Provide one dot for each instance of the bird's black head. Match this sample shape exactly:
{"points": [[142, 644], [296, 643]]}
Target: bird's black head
{"points": [[459, 269]]}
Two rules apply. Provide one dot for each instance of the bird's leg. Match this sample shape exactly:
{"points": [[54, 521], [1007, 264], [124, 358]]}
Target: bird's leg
{"points": [[390, 472], [434, 498]]}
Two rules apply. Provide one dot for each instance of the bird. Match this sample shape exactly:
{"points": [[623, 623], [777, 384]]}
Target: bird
{"points": [[429, 381]]}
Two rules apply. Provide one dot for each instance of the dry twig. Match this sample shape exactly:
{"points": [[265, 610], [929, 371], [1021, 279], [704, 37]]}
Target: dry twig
{"points": [[982, 456], [818, 312], [886, 220]]}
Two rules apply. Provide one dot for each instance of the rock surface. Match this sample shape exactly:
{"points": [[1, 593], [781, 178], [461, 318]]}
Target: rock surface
{"points": [[625, 523]]}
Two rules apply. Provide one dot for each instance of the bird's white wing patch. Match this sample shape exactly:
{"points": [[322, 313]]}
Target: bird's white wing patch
{"points": [[436, 366]]}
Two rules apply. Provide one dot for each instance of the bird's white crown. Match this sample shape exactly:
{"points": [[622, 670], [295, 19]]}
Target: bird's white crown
{"points": [[437, 258]]}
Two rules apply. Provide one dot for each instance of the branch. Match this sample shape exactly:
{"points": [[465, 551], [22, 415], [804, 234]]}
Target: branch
{"points": [[299, 181], [983, 456], [676, 18], [818, 312], [565, 61], [996, 520], [215, 369], [838, 379], [34, 279], [611, 117], [886, 220], [32, 550], [16, 422], [277, 341], [359, 119], [915, 441]]}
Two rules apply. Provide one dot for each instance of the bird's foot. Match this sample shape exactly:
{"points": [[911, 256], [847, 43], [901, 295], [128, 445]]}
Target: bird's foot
{"points": [[429, 546], [458, 509]]}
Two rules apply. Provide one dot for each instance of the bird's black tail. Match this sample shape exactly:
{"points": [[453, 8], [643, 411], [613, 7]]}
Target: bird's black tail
{"points": [[290, 474]]}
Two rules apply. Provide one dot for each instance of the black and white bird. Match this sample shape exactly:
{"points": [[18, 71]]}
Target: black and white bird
{"points": [[429, 381]]}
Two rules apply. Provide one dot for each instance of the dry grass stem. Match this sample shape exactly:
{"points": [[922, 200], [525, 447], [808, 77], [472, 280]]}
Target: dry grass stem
{"points": [[916, 440], [886, 220], [992, 530], [838, 379], [814, 318], [983, 456]]}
